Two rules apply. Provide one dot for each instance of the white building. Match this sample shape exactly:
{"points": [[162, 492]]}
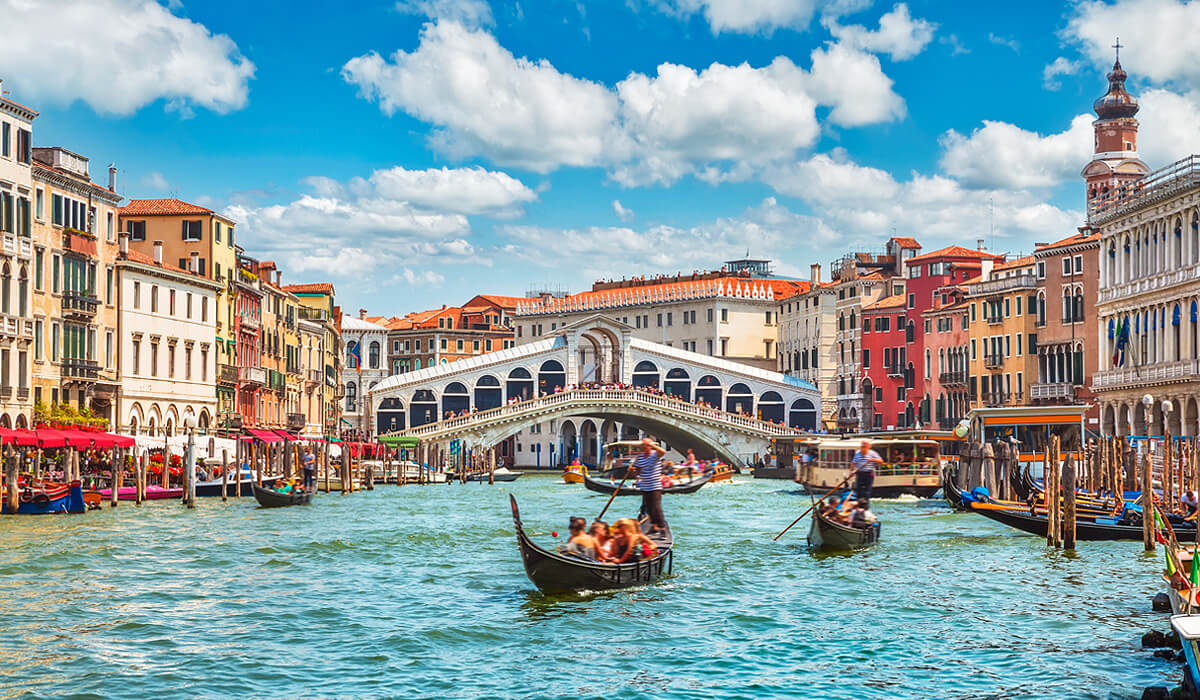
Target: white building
{"points": [[367, 341], [167, 326], [16, 251], [807, 329]]}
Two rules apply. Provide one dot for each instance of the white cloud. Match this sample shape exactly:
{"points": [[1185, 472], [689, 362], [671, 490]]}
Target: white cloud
{"points": [[758, 16], [718, 123], [1005, 41], [1158, 37], [422, 277], [484, 100], [1003, 155], [461, 190], [118, 56], [899, 35], [622, 213], [157, 182], [473, 13], [1169, 126], [1060, 67], [862, 204], [956, 46]]}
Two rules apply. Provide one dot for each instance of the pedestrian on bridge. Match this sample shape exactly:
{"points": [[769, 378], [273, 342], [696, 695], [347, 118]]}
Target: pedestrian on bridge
{"points": [[649, 481]]}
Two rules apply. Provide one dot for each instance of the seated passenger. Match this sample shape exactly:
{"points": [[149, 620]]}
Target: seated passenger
{"points": [[579, 544], [629, 544], [602, 534]]}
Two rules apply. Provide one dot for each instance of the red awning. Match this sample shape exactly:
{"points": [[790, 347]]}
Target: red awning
{"points": [[285, 435], [264, 435], [42, 437]]}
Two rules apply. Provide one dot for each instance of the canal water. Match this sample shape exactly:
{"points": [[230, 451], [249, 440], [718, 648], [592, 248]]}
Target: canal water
{"points": [[419, 592]]}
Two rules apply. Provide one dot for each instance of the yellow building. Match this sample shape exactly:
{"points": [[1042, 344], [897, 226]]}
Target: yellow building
{"points": [[73, 301], [187, 231], [321, 354], [1003, 333]]}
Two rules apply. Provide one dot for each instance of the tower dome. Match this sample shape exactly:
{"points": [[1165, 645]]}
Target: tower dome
{"points": [[1117, 103]]}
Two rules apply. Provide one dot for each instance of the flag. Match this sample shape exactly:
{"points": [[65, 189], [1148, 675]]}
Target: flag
{"points": [[1121, 341], [356, 352], [1195, 569], [1170, 562]]}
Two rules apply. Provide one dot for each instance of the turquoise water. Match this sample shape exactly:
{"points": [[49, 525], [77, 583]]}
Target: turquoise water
{"points": [[419, 592]]}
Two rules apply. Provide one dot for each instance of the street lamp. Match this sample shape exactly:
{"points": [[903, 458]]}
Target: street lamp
{"points": [[1148, 403], [1167, 408]]}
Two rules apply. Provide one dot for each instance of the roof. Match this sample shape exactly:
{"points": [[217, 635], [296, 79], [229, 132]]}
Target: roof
{"points": [[1070, 241], [37, 164], [667, 292], [889, 302], [1019, 262], [353, 323], [161, 207], [310, 288], [905, 242], [503, 301], [729, 366], [956, 251], [469, 363]]}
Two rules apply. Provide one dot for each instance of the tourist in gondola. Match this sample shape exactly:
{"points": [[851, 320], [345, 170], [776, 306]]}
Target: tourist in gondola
{"points": [[863, 467], [629, 544], [602, 534], [579, 543], [650, 482]]}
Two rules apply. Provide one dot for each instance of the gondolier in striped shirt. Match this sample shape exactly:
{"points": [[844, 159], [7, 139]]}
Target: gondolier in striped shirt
{"points": [[649, 481]]}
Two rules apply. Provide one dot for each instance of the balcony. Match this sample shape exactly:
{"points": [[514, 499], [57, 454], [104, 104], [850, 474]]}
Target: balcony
{"points": [[1004, 284], [6, 392], [1056, 390], [18, 245], [296, 421], [227, 374], [953, 378], [1151, 283], [312, 377], [79, 369], [79, 305], [310, 314], [252, 376], [994, 360], [895, 370], [79, 242], [250, 322], [1161, 373], [997, 398], [16, 327], [992, 320], [22, 393]]}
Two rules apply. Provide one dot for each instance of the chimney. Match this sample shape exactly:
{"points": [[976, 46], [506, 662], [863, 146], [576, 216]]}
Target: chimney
{"points": [[814, 274], [112, 177], [279, 278], [194, 262], [158, 252], [979, 244], [362, 314], [985, 268], [124, 244]]}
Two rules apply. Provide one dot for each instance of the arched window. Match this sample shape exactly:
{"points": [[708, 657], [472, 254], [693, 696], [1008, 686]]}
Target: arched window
{"points": [[352, 354], [373, 355], [6, 290], [351, 395], [802, 415], [645, 373], [23, 292]]}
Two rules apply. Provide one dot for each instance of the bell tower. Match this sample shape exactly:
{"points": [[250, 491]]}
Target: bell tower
{"points": [[1115, 161]]}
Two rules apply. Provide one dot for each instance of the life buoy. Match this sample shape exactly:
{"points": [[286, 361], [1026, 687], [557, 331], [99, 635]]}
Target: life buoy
{"points": [[41, 500], [26, 495]]}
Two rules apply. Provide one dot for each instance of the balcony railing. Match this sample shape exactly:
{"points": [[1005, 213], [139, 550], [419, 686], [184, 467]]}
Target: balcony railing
{"points": [[227, 374], [953, 378], [250, 322], [22, 393], [77, 368], [79, 304], [997, 398], [1005, 284], [311, 314], [79, 242], [252, 376], [993, 360], [6, 392], [994, 319], [313, 376], [296, 421], [895, 370], [1053, 390], [1180, 176], [1150, 283], [18, 245], [1150, 374]]}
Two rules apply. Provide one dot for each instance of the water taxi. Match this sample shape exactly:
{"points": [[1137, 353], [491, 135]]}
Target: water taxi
{"points": [[574, 473], [910, 467]]}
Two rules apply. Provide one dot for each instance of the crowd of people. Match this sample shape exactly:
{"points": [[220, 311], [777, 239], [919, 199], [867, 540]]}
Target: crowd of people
{"points": [[848, 509], [619, 543]]}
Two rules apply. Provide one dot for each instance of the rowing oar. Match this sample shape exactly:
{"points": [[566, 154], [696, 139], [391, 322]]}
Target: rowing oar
{"points": [[819, 500], [614, 495]]}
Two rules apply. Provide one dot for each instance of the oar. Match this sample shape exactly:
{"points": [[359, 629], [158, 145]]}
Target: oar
{"points": [[814, 505], [614, 495]]}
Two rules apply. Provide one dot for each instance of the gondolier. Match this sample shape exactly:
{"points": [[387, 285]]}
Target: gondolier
{"points": [[649, 481], [309, 463], [863, 468]]}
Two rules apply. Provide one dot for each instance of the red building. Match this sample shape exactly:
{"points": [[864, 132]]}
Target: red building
{"points": [[927, 275], [947, 347], [884, 359]]}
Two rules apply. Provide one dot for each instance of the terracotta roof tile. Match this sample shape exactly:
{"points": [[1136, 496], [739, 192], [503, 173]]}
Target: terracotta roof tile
{"points": [[44, 166], [1071, 240], [313, 287], [1011, 264], [894, 301], [906, 242], [161, 207], [956, 251]]}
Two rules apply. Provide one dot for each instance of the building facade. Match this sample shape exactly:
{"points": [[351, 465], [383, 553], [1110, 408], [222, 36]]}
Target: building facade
{"points": [[315, 306], [368, 341], [807, 329], [1002, 304], [948, 344], [884, 357], [16, 258]]}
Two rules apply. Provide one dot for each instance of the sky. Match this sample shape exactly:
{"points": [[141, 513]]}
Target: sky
{"points": [[418, 152]]}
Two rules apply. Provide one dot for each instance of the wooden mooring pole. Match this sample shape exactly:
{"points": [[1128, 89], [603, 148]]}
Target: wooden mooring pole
{"points": [[1147, 500], [1068, 525]]}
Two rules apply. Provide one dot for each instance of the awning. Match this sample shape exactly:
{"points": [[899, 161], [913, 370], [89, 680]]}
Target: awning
{"points": [[264, 435], [400, 441], [285, 435]]}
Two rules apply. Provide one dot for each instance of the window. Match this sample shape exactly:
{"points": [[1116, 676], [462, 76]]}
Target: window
{"points": [[217, 231], [137, 356], [108, 227], [710, 344], [1041, 270], [154, 298], [668, 318], [187, 363], [203, 309], [170, 360], [171, 302], [191, 230], [153, 359], [54, 341], [136, 230], [39, 204], [973, 355], [5, 139], [1079, 264], [724, 346], [1018, 345], [54, 273], [660, 320], [458, 345], [204, 364], [443, 344], [108, 349], [912, 300], [710, 315], [1066, 264], [38, 330], [914, 271]]}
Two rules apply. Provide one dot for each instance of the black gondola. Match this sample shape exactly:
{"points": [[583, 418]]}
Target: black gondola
{"points": [[606, 487], [554, 572], [826, 535], [1085, 529], [950, 490], [270, 498]]}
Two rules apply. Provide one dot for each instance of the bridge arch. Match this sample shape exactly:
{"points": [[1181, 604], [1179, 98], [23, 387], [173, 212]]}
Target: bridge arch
{"points": [[739, 399], [390, 415], [802, 414], [678, 383], [646, 374], [770, 407], [588, 434], [567, 439], [455, 398], [488, 393], [603, 335], [424, 407], [708, 390], [519, 384], [551, 376]]}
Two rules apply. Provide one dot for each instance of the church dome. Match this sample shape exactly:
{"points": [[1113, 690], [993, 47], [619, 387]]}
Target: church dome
{"points": [[1117, 102]]}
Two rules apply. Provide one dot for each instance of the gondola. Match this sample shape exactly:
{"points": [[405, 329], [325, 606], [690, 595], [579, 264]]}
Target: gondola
{"points": [[950, 490], [270, 498], [606, 487], [500, 474], [1090, 529], [826, 535], [554, 572]]}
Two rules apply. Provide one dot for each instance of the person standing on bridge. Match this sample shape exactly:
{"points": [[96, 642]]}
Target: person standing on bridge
{"points": [[649, 481]]}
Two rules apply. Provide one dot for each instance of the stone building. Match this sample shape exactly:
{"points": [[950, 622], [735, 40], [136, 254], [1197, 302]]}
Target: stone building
{"points": [[368, 341], [1002, 304], [16, 258], [807, 328]]}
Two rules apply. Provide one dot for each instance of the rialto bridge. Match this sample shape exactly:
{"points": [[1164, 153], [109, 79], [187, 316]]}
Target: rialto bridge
{"points": [[715, 405]]}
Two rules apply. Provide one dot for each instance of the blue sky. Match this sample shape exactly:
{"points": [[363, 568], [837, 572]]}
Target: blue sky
{"points": [[418, 152]]}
